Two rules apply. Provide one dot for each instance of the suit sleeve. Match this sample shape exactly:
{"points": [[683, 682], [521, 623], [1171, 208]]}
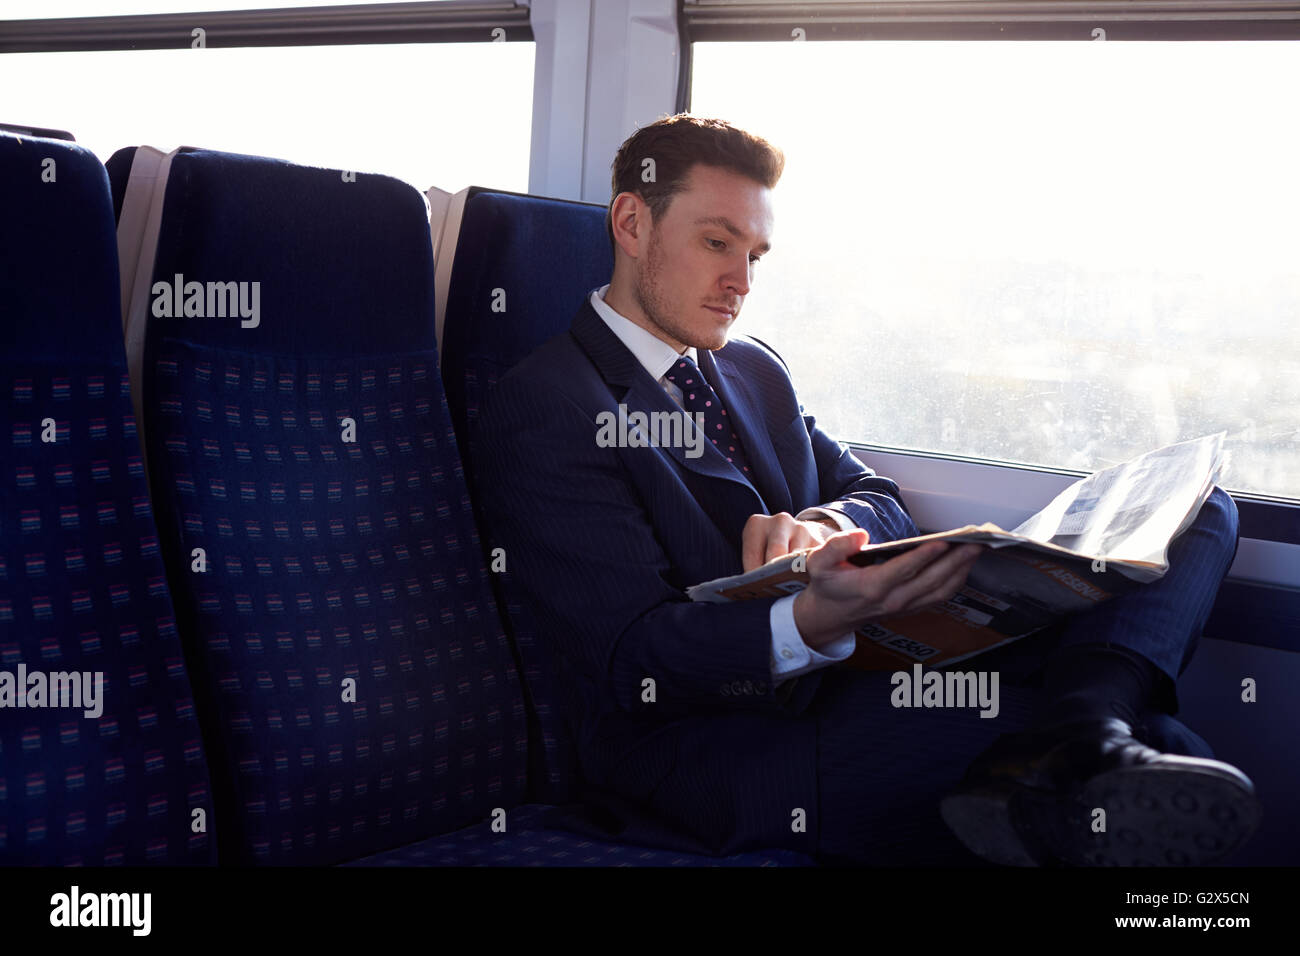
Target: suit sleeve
{"points": [[582, 547]]}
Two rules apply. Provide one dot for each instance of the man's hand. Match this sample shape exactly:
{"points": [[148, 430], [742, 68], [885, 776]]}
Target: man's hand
{"points": [[840, 596], [767, 537]]}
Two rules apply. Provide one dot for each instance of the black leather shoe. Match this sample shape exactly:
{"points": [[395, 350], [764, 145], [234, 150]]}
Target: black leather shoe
{"points": [[1032, 799]]}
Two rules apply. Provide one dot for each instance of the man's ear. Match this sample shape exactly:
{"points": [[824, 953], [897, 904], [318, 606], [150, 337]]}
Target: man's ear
{"points": [[629, 218]]}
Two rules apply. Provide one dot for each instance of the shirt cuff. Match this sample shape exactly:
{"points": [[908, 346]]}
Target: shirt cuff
{"points": [[844, 522], [790, 655]]}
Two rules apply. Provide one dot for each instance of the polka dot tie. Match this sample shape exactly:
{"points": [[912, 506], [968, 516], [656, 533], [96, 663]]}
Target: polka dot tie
{"points": [[699, 396]]}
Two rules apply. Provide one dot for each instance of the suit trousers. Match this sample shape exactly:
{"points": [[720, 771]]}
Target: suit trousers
{"points": [[882, 769]]}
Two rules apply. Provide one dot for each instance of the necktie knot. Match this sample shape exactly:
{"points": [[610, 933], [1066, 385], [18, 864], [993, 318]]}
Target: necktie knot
{"points": [[683, 366], [686, 375]]}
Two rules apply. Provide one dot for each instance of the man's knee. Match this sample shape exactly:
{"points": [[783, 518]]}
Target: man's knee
{"points": [[1218, 517], [1222, 510]]}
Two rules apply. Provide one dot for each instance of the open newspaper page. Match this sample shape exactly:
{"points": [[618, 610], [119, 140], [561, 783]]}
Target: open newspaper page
{"points": [[1102, 536]]}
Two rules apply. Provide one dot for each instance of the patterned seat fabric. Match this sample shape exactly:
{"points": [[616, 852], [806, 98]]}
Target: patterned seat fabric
{"points": [[514, 284], [113, 771], [355, 683], [529, 840]]}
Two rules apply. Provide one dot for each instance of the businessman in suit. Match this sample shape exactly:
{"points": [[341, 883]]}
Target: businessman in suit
{"points": [[729, 723]]}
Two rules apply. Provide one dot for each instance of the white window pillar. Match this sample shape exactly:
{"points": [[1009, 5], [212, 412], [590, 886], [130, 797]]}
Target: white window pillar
{"points": [[603, 69]]}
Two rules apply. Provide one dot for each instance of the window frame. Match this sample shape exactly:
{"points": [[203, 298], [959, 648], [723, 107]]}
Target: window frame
{"points": [[453, 21], [823, 20]]}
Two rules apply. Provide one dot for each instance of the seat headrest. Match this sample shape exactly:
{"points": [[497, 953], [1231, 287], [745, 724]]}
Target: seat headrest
{"points": [[544, 254], [59, 286], [342, 261]]}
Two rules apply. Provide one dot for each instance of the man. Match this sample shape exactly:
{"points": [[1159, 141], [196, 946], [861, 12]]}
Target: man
{"points": [[729, 722]]}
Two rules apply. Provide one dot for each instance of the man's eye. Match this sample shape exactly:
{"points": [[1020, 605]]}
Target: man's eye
{"points": [[715, 243]]}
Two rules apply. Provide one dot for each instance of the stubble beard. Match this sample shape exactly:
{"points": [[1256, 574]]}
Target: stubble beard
{"points": [[651, 297]]}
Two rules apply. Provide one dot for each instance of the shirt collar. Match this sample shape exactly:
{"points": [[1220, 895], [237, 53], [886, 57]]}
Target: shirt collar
{"points": [[654, 354]]}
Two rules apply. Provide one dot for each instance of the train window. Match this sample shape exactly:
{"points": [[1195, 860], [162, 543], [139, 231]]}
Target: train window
{"points": [[445, 114], [1052, 253]]}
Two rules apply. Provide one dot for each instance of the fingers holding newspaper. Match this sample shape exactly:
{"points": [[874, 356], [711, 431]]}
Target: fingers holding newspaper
{"points": [[840, 596], [769, 536]]}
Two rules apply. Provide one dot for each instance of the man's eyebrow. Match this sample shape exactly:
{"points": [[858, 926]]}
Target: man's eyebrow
{"points": [[728, 225]]}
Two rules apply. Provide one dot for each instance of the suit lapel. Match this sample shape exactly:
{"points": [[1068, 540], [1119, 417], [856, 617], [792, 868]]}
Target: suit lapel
{"points": [[751, 425], [634, 387]]}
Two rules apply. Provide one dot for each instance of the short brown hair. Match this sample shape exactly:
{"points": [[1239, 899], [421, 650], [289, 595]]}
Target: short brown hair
{"points": [[676, 144]]}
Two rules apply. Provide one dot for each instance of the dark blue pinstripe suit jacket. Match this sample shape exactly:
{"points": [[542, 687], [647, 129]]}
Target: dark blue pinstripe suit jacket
{"points": [[603, 542]]}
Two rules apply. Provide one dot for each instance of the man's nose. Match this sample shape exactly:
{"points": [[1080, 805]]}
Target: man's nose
{"points": [[736, 279]]}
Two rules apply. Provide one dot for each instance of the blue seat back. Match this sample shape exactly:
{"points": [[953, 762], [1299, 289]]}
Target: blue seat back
{"points": [[82, 587], [522, 265], [357, 687]]}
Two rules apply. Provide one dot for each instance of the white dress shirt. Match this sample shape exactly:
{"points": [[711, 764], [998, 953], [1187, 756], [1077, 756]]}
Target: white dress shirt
{"points": [[790, 655]]}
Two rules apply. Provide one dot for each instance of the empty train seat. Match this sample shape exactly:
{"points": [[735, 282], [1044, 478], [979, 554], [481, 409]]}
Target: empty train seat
{"points": [[101, 757]]}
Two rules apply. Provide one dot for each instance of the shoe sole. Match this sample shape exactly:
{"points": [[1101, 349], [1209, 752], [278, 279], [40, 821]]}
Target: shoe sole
{"points": [[1154, 816], [1165, 817]]}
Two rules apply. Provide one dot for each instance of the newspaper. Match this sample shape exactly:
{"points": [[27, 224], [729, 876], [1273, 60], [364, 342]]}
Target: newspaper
{"points": [[1102, 536]]}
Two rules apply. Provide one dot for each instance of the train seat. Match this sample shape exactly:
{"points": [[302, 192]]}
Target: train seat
{"points": [[512, 269], [116, 774], [353, 678]]}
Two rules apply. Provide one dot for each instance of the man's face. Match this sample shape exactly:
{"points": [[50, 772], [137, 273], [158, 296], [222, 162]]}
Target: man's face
{"points": [[700, 260]]}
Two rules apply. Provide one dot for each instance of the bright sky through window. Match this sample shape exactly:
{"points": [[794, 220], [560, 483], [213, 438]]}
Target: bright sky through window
{"points": [[372, 108], [1051, 252]]}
